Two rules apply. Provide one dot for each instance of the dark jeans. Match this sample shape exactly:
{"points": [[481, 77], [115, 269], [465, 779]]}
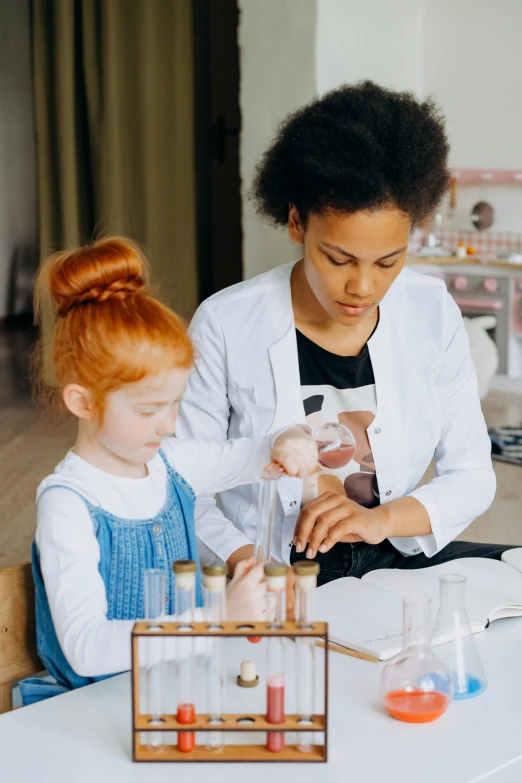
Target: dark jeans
{"points": [[358, 559]]}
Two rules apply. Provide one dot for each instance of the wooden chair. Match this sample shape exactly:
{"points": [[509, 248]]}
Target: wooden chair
{"points": [[18, 656]]}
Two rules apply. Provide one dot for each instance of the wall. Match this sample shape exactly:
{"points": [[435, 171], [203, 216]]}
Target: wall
{"points": [[376, 39], [472, 67], [277, 67], [17, 151], [463, 52]]}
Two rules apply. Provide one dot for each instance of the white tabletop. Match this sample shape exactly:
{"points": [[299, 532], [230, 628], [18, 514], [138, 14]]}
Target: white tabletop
{"points": [[85, 736]]}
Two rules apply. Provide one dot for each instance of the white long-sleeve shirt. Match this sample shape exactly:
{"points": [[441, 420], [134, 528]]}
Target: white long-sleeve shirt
{"points": [[69, 550], [246, 383]]}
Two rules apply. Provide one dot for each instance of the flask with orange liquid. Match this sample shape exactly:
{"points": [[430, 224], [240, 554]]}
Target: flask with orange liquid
{"points": [[416, 685]]}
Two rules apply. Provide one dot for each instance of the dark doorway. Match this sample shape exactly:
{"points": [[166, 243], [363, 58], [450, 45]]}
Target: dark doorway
{"points": [[218, 122]]}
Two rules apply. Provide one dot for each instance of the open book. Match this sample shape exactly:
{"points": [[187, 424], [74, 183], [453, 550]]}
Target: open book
{"points": [[365, 615]]}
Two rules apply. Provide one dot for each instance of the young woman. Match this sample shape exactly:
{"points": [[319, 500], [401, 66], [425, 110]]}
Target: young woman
{"points": [[348, 334]]}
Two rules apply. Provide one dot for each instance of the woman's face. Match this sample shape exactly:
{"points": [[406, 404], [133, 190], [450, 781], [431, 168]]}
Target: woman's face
{"points": [[351, 260]]}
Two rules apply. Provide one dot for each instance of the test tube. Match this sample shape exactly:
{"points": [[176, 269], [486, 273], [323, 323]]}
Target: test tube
{"points": [[215, 583], [306, 573], [154, 594], [275, 574], [185, 575], [266, 514]]}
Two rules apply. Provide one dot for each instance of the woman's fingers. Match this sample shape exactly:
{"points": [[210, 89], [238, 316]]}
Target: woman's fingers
{"points": [[310, 514], [323, 526], [344, 530]]}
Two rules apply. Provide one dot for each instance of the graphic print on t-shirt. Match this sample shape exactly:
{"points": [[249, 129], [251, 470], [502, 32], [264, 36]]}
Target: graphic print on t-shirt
{"points": [[340, 388]]}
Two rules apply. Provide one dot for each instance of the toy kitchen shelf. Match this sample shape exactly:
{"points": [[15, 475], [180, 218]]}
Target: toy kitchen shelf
{"points": [[474, 260], [465, 177]]}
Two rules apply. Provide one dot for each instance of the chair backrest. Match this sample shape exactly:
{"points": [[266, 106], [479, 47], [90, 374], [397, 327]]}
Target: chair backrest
{"points": [[18, 656]]}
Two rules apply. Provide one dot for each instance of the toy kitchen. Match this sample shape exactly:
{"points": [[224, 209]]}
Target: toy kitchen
{"points": [[481, 267]]}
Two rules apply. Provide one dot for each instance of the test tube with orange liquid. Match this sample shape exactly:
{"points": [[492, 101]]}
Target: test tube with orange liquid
{"points": [[185, 576]]}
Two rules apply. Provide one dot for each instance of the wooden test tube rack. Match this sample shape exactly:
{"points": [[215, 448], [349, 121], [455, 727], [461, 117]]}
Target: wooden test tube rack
{"points": [[248, 722]]}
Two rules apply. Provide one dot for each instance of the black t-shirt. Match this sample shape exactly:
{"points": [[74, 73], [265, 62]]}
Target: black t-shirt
{"points": [[340, 388]]}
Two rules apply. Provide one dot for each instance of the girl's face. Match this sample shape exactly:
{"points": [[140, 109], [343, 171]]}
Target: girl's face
{"points": [[139, 415], [351, 260]]}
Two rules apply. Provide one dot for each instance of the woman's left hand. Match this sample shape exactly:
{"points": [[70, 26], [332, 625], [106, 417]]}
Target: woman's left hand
{"points": [[295, 451], [331, 518]]}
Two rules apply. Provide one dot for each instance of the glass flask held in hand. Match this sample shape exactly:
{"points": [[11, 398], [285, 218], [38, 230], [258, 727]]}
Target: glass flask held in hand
{"points": [[336, 445], [416, 685], [461, 653]]}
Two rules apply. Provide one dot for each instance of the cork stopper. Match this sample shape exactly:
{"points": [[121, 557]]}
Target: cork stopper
{"points": [[306, 572], [275, 569], [215, 570], [307, 568], [215, 578], [247, 677], [184, 566]]}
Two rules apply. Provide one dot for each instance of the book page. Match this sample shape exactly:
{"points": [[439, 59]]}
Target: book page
{"points": [[491, 585], [361, 616]]}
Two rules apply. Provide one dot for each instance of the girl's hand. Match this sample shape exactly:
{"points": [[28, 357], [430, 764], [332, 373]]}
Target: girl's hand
{"points": [[331, 518], [246, 593], [296, 452]]}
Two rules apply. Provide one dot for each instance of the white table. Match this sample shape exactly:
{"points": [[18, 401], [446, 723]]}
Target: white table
{"points": [[85, 736]]}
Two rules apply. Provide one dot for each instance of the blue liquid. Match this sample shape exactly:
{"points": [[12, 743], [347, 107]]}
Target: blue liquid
{"points": [[473, 686]]}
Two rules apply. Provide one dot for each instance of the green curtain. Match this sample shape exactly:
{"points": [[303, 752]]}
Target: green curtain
{"points": [[113, 85]]}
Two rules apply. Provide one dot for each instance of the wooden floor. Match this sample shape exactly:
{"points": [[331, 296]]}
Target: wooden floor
{"points": [[32, 443]]}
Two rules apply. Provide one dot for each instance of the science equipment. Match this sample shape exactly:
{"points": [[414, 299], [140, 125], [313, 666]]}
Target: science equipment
{"points": [[275, 574], [185, 576], [416, 685], [154, 597], [460, 654], [215, 585], [247, 722], [336, 445], [306, 572]]}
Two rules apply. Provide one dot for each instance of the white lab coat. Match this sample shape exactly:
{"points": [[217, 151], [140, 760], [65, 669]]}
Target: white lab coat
{"points": [[246, 383]]}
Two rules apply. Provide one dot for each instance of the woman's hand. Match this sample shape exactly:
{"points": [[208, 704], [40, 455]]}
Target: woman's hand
{"points": [[246, 593], [295, 451], [331, 518]]}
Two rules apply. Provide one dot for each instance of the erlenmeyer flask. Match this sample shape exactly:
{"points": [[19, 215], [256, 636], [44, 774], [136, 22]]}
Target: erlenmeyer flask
{"points": [[461, 653], [416, 685]]}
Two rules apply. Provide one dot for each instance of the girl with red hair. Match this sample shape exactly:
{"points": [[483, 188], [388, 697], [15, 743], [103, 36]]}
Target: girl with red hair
{"points": [[122, 500]]}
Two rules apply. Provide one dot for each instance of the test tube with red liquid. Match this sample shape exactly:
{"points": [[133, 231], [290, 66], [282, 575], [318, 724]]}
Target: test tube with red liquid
{"points": [[185, 576], [275, 574]]}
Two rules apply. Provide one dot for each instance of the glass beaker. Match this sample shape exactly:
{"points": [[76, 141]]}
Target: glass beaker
{"points": [[416, 685], [461, 653], [336, 445]]}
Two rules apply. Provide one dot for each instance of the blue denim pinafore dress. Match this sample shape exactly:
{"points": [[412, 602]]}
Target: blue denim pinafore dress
{"points": [[128, 547]]}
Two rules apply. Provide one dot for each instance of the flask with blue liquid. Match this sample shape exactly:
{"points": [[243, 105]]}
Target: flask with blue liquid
{"points": [[460, 653]]}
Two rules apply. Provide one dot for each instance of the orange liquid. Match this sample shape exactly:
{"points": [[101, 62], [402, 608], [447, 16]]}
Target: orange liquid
{"points": [[416, 706], [186, 739]]}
